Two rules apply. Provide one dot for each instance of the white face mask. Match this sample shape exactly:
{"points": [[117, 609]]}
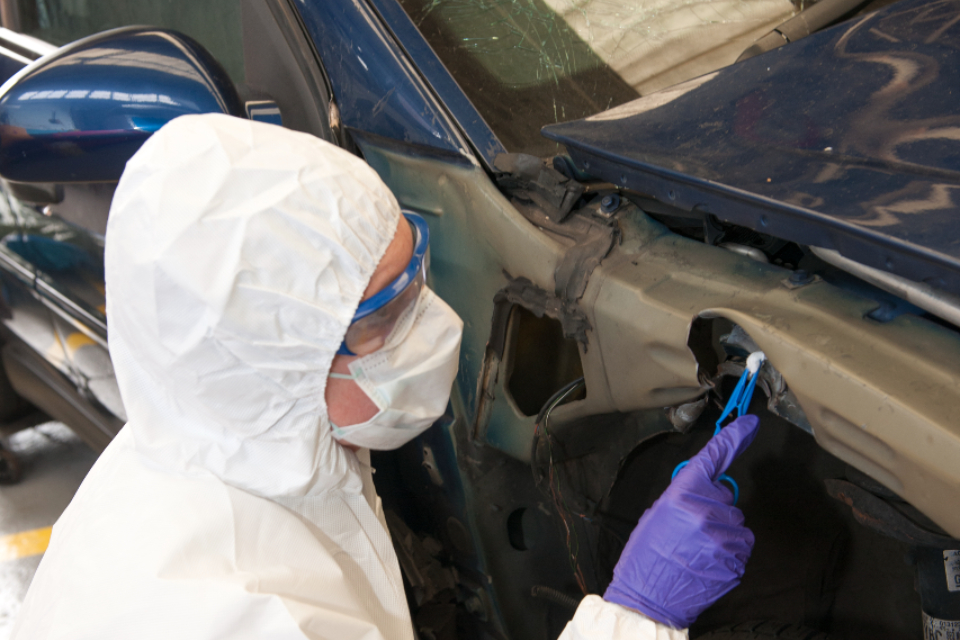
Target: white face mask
{"points": [[410, 380]]}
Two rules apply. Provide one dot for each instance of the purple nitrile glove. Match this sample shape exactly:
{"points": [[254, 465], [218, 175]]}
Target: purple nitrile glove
{"points": [[690, 547]]}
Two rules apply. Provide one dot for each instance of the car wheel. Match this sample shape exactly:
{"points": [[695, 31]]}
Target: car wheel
{"points": [[765, 631], [9, 467]]}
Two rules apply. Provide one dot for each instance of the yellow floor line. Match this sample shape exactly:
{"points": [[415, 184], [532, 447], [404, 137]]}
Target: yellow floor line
{"points": [[25, 543]]}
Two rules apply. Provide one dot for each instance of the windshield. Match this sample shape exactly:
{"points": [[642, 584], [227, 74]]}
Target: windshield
{"points": [[529, 63]]}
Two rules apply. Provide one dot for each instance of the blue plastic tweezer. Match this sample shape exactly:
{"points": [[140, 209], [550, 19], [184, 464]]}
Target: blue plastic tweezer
{"points": [[739, 401]]}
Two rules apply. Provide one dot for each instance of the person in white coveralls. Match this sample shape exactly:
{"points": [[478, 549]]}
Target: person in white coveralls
{"points": [[269, 324]]}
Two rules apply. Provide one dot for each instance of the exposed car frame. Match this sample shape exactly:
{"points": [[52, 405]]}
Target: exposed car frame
{"points": [[582, 267]]}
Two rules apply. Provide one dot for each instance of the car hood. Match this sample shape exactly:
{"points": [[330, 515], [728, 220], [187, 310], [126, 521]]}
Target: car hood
{"points": [[848, 139]]}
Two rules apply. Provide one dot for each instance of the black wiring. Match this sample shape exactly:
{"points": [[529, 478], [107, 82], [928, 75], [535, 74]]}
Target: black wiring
{"points": [[541, 429], [562, 394]]}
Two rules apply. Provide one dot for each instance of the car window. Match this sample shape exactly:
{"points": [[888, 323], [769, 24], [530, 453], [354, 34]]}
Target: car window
{"points": [[213, 23], [528, 63]]}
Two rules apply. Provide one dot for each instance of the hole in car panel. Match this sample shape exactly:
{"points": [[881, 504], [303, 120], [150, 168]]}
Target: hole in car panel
{"points": [[721, 348], [527, 529], [540, 360], [704, 342], [515, 530]]}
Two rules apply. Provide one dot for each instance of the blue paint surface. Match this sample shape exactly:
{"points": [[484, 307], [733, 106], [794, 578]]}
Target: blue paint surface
{"points": [[79, 115], [464, 113], [846, 139], [377, 89]]}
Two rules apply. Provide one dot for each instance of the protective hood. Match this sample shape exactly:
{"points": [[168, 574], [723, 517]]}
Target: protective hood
{"points": [[236, 255]]}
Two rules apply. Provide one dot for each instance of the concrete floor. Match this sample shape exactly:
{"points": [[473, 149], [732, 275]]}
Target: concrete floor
{"points": [[54, 463]]}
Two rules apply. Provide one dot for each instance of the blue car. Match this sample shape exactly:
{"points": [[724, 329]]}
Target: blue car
{"points": [[626, 199]]}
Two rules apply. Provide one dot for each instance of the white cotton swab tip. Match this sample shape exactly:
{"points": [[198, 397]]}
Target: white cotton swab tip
{"points": [[754, 360]]}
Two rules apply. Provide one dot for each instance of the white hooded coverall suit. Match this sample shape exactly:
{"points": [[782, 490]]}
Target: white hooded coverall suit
{"points": [[236, 255]]}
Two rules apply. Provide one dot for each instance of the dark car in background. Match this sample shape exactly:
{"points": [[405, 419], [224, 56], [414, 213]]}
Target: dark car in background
{"points": [[711, 179]]}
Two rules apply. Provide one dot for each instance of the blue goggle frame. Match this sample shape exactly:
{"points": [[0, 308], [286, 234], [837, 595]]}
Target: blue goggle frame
{"points": [[418, 264]]}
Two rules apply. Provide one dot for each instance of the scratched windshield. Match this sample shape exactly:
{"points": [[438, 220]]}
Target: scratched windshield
{"points": [[529, 63]]}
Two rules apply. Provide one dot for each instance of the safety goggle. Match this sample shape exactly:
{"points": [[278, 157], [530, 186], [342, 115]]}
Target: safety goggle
{"points": [[387, 315]]}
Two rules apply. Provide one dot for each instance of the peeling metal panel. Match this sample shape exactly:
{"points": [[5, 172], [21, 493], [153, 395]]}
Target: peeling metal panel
{"points": [[881, 396], [572, 318]]}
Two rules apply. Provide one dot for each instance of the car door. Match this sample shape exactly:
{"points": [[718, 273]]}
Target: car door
{"points": [[25, 318]]}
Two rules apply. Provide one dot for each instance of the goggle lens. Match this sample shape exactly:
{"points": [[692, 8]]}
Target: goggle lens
{"points": [[387, 316], [389, 323]]}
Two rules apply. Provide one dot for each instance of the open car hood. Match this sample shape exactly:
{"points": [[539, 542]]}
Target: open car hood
{"points": [[848, 139]]}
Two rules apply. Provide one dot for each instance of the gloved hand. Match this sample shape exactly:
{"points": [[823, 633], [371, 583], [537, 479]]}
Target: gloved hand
{"points": [[690, 547]]}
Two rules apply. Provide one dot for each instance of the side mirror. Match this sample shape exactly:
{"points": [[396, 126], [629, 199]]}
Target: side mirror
{"points": [[78, 114]]}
